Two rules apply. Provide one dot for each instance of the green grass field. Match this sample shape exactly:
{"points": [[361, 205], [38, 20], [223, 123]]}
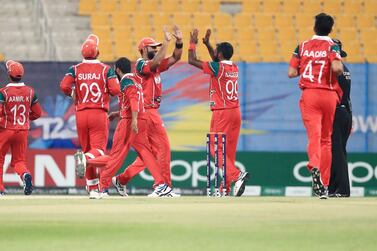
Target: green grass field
{"points": [[187, 223]]}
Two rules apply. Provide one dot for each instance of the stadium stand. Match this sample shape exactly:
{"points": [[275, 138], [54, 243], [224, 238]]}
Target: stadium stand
{"points": [[56, 31], [277, 24]]}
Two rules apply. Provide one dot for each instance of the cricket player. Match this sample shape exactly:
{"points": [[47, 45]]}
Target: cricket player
{"points": [[148, 69], [224, 102], [339, 180], [19, 105], [91, 83], [317, 61], [132, 132]]}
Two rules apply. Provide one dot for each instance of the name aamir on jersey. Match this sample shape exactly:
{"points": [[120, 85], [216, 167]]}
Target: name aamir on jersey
{"points": [[231, 74], [315, 54], [18, 99], [89, 76]]}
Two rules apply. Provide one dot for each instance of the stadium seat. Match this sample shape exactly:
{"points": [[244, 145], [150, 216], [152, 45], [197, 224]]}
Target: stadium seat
{"points": [[224, 34], [148, 6], [251, 6], [245, 34], [190, 6], [87, 7], [344, 21], [169, 6], [305, 34], [222, 20], [247, 51], [370, 7], [292, 6], [140, 19], [347, 35], [286, 35], [312, 7], [120, 36], [368, 36], [141, 31], [304, 20], [243, 20], [128, 6], [160, 19], [120, 19], [272, 6], [210, 6], [351, 7], [99, 19], [333, 6], [202, 20], [107, 6], [182, 19], [103, 32], [283, 20], [366, 21], [2, 57], [266, 34], [262, 20], [268, 51]]}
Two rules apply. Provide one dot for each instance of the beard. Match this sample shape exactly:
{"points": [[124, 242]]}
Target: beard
{"points": [[151, 55]]}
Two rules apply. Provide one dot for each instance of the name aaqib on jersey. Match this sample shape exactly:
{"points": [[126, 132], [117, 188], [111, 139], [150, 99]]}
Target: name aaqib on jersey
{"points": [[18, 99], [315, 54]]}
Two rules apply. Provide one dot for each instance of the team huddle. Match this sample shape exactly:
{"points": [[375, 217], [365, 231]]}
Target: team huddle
{"points": [[91, 84]]}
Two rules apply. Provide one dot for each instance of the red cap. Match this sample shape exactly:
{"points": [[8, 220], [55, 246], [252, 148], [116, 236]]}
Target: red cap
{"points": [[89, 48], [148, 41], [15, 69]]}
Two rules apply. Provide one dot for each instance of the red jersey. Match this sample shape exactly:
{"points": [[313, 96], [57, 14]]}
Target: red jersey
{"points": [[17, 100], [150, 81], [93, 82], [223, 89], [131, 98], [313, 58]]}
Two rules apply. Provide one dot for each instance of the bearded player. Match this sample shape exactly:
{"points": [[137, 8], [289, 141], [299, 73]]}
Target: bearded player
{"points": [[19, 105], [91, 83], [224, 103], [148, 70], [318, 63]]}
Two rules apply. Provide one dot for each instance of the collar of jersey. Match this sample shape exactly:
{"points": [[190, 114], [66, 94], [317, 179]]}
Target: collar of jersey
{"points": [[227, 62], [127, 75], [15, 84], [91, 61], [327, 38]]}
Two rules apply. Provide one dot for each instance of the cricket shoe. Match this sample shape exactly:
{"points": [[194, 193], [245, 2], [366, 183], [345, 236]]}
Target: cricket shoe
{"points": [[94, 194], [2, 193], [317, 185], [28, 184], [239, 186], [324, 194], [162, 190], [120, 188], [105, 193], [80, 163]]}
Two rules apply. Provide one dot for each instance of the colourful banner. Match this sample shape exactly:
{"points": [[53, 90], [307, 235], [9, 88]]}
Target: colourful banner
{"points": [[271, 173]]}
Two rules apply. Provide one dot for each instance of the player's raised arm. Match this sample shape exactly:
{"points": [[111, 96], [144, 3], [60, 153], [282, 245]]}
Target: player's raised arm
{"points": [[294, 64], [160, 55], [177, 53], [192, 59], [211, 51]]}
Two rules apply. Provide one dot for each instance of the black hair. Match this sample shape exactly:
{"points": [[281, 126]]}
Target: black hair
{"points": [[226, 49], [323, 24], [15, 79], [123, 64]]}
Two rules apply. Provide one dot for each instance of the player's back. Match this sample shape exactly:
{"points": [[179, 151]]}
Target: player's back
{"points": [[91, 90], [224, 85], [17, 99], [132, 92], [316, 56]]}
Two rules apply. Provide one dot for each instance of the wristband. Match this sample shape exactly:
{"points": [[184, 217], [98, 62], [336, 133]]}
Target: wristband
{"points": [[192, 47], [178, 46]]}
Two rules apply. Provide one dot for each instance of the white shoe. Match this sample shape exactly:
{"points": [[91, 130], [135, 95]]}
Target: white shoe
{"points": [[172, 194], [105, 194], [120, 188], [95, 195], [80, 163], [239, 186], [162, 190]]}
